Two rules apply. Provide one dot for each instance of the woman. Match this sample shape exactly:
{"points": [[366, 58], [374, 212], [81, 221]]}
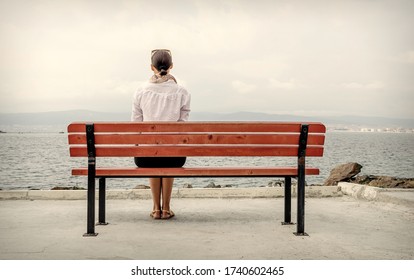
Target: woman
{"points": [[161, 99]]}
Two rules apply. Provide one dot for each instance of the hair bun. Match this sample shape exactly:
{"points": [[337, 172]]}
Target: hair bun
{"points": [[162, 61]]}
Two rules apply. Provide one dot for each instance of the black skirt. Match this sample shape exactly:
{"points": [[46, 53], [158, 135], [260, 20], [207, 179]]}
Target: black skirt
{"points": [[160, 162]]}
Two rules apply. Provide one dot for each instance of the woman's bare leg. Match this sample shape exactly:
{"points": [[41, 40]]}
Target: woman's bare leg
{"points": [[167, 185], [155, 184]]}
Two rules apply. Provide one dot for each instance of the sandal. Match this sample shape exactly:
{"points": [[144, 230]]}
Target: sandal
{"points": [[156, 214], [167, 214]]}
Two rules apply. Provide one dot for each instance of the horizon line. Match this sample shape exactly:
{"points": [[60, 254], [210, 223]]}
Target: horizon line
{"points": [[220, 113]]}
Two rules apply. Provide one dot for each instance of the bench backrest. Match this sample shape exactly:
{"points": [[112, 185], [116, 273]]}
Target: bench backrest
{"points": [[120, 139]]}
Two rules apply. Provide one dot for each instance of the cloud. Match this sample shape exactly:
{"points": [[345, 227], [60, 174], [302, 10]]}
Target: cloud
{"points": [[119, 87], [287, 85], [409, 57], [93, 54], [404, 57], [242, 87], [367, 86]]}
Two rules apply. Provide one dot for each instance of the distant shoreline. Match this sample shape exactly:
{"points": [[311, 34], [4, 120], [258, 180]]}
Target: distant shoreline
{"points": [[62, 129], [62, 118]]}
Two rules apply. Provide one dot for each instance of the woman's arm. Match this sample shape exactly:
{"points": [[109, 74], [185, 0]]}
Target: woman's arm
{"points": [[185, 107], [136, 115]]}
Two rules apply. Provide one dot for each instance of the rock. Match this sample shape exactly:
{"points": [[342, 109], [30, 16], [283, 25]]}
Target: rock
{"points": [[342, 172], [187, 186], [276, 183], [227, 186], [141, 187], [362, 179], [65, 188], [212, 185], [383, 181]]}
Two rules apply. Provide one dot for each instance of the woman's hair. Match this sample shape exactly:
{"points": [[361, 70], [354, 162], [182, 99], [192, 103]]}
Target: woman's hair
{"points": [[161, 60]]}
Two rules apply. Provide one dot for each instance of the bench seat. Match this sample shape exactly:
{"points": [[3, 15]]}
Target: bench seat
{"points": [[196, 172]]}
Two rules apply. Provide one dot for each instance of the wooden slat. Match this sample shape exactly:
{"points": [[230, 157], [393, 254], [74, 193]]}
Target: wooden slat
{"points": [[197, 127], [196, 150], [196, 172], [186, 138]]}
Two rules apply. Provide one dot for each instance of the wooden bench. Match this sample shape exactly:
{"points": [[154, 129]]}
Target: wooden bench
{"points": [[196, 139]]}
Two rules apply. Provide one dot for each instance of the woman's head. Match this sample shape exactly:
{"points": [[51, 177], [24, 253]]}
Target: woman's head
{"points": [[161, 60]]}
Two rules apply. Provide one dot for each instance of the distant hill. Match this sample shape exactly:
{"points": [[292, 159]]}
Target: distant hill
{"points": [[329, 120], [63, 118], [60, 118]]}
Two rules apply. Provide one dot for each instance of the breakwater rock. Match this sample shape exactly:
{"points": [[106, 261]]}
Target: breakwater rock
{"points": [[348, 173], [342, 173], [141, 187], [67, 188], [383, 181]]}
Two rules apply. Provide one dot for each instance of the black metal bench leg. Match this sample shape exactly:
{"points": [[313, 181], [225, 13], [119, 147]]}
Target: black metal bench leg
{"points": [[288, 201], [102, 201], [90, 139], [91, 207], [301, 181], [301, 207]]}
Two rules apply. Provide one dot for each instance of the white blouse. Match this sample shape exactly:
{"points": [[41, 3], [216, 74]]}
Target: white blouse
{"points": [[161, 102]]}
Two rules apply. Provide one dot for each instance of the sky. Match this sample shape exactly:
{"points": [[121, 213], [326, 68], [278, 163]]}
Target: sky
{"points": [[315, 58]]}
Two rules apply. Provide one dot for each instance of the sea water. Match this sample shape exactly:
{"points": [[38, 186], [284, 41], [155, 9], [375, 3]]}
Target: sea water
{"points": [[41, 161]]}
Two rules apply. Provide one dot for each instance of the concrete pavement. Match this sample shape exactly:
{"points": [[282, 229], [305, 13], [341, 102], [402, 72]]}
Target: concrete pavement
{"points": [[343, 223]]}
